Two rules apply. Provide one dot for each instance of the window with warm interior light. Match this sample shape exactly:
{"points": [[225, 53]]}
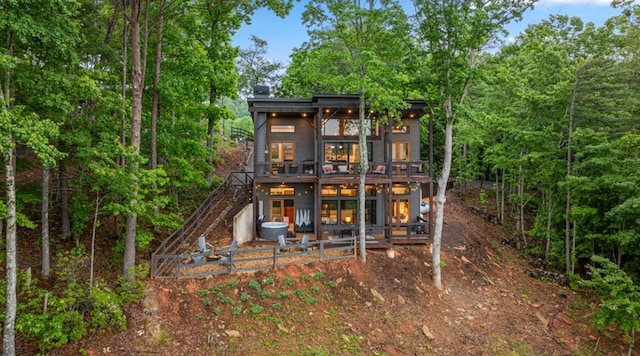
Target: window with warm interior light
{"points": [[348, 152], [400, 129], [282, 191], [400, 151]]}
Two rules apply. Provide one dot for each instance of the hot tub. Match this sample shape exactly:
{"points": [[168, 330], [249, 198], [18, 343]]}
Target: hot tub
{"points": [[270, 230]]}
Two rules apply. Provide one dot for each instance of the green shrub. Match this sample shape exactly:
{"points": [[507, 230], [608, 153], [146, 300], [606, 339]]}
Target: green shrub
{"points": [[73, 308]]}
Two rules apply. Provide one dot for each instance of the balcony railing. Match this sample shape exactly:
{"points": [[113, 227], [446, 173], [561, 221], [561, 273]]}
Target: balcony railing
{"points": [[340, 169], [292, 168]]}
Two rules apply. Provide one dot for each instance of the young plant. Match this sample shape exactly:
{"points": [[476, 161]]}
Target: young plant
{"points": [[288, 281], [206, 302], [255, 285], [236, 311], [300, 293], [268, 281], [256, 308]]}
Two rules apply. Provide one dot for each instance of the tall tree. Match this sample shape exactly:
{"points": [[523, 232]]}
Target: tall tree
{"points": [[452, 33], [256, 69], [219, 20], [355, 47], [137, 85], [37, 39]]}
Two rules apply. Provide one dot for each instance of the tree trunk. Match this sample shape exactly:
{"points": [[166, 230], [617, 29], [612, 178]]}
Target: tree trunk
{"points": [[521, 205], [567, 219], [497, 189], [9, 342], [45, 222], [573, 247], [93, 238], [213, 97], [136, 124], [633, 340], [155, 110], [441, 198], [362, 143], [65, 220], [123, 98], [547, 246], [502, 195]]}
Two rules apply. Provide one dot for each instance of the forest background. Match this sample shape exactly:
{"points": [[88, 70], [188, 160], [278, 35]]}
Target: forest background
{"points": [[122, 105]]}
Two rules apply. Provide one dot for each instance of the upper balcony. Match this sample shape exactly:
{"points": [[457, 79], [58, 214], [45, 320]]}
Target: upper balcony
{"points": [[307, 169]]}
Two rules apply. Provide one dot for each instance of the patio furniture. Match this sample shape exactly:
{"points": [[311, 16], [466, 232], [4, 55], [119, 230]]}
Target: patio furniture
{"points": [[226, 258], [204, 248], [328, 169], [380, 169], [303, 245]]}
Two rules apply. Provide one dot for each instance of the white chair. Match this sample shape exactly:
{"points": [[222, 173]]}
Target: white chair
{"points": [[204, 247], [303, 245], [282, 242], [226, 258]]}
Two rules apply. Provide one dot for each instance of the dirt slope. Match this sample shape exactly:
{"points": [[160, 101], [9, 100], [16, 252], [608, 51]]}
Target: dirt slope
{"points": [[387, 306]]}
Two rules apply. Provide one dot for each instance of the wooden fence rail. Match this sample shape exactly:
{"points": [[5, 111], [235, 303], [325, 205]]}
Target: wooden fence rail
{"points": [[254, 259]]}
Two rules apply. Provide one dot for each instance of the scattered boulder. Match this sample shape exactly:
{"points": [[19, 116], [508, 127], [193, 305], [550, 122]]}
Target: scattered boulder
{"points": [[377, 295], [553, 277], [427, 332]]}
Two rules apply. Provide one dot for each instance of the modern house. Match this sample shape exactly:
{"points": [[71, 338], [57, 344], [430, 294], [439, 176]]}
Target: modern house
{"points": [[307, 164]]}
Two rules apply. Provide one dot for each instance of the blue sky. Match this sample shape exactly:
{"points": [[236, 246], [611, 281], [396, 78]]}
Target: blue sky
{"points": [[283, 35]]}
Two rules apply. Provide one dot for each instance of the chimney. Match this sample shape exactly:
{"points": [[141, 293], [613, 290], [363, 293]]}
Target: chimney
{"points": [[261, 91]]}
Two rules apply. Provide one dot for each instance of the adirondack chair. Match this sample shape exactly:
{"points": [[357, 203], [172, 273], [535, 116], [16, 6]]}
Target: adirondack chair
{"points": [[303, 245], [226, 258]]}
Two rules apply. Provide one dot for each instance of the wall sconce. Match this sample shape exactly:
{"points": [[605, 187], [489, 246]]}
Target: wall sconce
{"points": [[347, 219]]}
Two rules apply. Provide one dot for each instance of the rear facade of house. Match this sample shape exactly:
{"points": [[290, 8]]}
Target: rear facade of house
{"points": [[307, 167]]}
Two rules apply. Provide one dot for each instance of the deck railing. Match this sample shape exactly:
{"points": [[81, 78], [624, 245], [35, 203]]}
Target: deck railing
{"points": [[254, 259]]}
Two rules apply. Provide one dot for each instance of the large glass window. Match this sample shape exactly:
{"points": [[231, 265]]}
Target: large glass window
{"points": [[282, 151], [348, 211], [400, 151], [400, 211], [345, 152], [347, 127], [370, 212], [329, 212], [344, 208]]}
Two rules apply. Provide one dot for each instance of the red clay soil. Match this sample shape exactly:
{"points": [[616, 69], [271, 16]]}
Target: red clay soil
{"points": [[388, 306]]}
